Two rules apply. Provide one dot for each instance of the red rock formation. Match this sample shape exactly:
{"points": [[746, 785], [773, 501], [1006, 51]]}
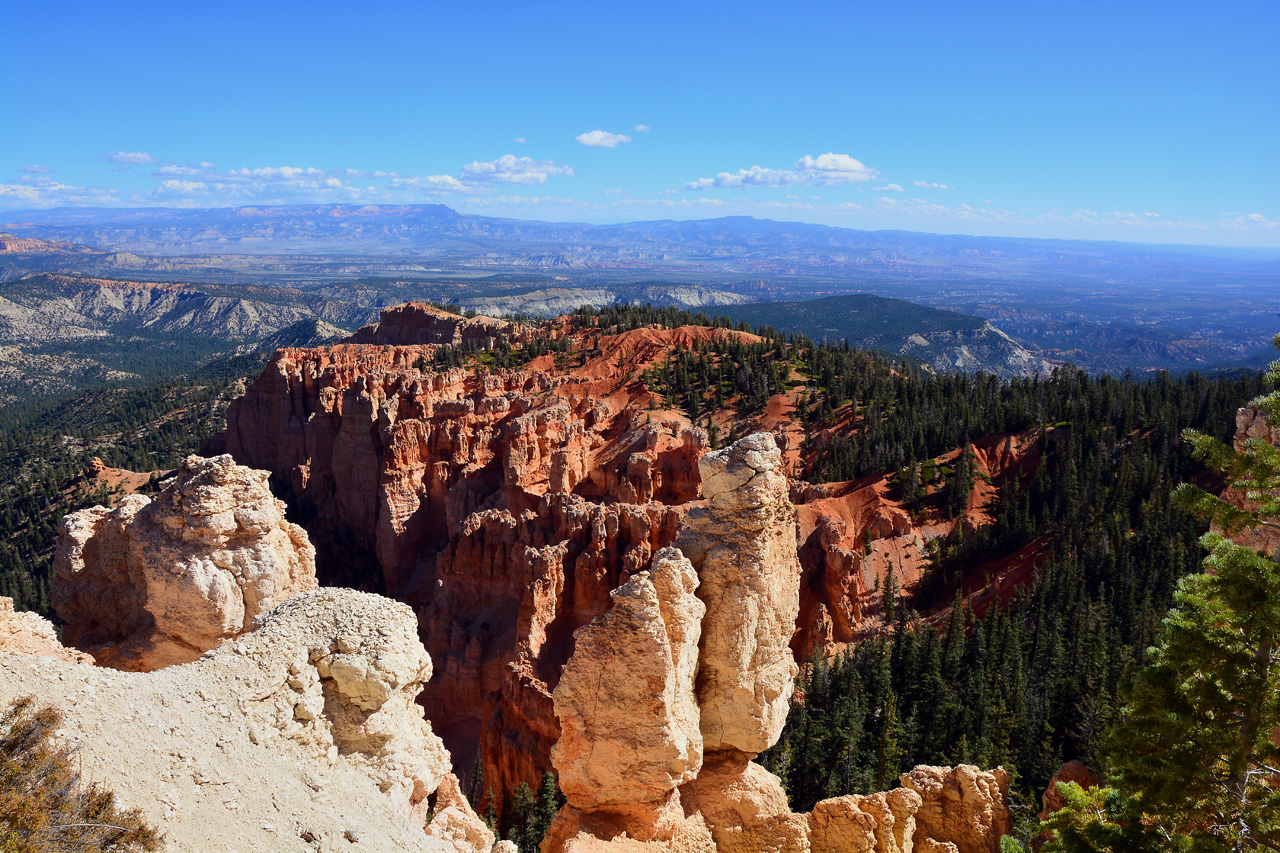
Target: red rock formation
{"points": [[415, 323], [852, 532], [1251, 425], [1073, 771], [504, 506]]}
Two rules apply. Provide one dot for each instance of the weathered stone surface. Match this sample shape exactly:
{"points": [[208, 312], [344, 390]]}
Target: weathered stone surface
{"points": [[153, 583], [503, 506], [1073, 771], [962, 805], [416, 323], [31, 634], [745, 806], [744, 548], [629, 722], [307, 724], [877, 823]]}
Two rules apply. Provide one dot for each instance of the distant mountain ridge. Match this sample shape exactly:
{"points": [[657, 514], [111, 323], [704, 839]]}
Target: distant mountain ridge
{"points": [[946, 341], [428, 228]]}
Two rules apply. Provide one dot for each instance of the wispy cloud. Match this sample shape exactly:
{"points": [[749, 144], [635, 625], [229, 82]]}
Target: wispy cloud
{"points": [[35, 170], [890, 188], [824, 170], [641, 128], [932, 185], [509, 169], [521, 140], [602, 139], [204, 184], [125, 159]]}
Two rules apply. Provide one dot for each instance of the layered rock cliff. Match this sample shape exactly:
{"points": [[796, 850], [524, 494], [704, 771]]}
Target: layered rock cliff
{"points": [[151, 583], [504, 505], [300, 735]]}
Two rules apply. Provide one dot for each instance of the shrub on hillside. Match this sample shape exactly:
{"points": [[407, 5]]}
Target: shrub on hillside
{"points": [[44, 804]]}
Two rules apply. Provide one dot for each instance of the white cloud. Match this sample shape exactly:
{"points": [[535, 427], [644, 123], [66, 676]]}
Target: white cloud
{"points": [[429, 183], [756, 176], [832, 169], [35, 170], [180, 187], [641, 128], [521, 140], [131, 158], [824, 170], [509, 169], [890, 188], [177, 169], [602, 139], [614, 191], [1251, 221], [933, 186]]}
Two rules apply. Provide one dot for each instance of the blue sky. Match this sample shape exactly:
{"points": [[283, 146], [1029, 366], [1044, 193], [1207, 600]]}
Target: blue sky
{"points": [[1152, 122]]}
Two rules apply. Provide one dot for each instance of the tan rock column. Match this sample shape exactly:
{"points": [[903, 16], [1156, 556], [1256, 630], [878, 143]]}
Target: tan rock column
{"points": [[627, 711]]}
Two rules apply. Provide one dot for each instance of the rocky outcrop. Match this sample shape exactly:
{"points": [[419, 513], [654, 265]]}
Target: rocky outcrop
{"points": [[962, 806], [1251, 424], [302, 732], [31, 634], [636, 777], [152, 583], [416, 323], [629, 724], [630, 733], [743, 546], [1073, 771], [883, 822]]}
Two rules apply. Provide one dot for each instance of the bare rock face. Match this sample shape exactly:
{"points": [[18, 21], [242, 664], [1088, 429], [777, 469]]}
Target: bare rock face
{"points": [[150, 583], [306, 727], [962, 805], [629, 722], [1073, 771], [31, 634], [416, 323], [744, 548], [1251, 424], [884, 822], [745, 806], [504, 506]]}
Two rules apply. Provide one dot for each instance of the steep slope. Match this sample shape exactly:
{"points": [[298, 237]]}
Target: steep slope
{"points": [[63, 332]]}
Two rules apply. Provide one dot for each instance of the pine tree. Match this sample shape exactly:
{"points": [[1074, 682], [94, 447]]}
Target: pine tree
{"points": [[1193, 754]]}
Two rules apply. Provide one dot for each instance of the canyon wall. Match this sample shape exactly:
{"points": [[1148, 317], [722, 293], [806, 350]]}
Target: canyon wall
{"points": [[505, 504]]}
